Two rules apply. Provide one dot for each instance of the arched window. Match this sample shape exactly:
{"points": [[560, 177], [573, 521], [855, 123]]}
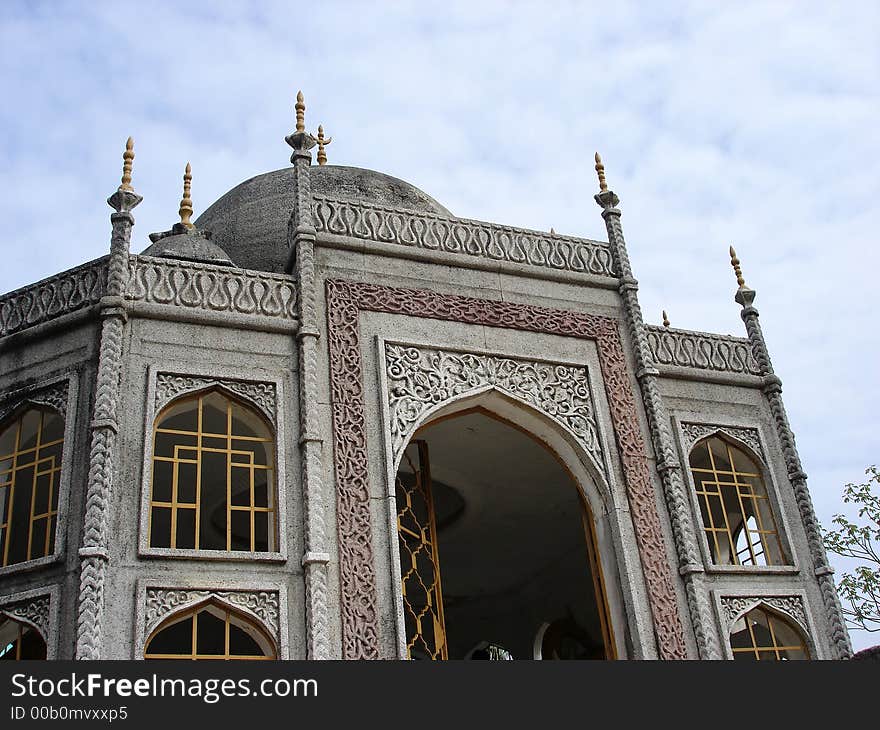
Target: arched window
{"points": [[765, 635], [209, 631], [30, 474], [213, 485], [20, 641], [737, 516]]}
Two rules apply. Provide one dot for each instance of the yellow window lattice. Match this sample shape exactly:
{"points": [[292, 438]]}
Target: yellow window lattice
{"points": [[765, 636]]}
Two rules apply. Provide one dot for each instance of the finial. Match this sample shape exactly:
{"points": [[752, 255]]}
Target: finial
{"points": [[127, 158], [734, 261], [600, 170], [322, 142], [186, 209], [665, 319], [552, 232], [300, 112]]}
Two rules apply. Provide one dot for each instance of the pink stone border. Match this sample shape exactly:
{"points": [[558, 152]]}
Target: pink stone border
{"points": [[345, 300]]}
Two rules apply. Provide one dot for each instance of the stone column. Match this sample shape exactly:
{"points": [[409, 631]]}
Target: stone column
{"points": [[94, 556], [301, 262], [690, 565], [772, 389]]}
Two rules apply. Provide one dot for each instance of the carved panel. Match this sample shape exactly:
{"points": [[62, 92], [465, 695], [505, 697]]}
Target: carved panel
{"points": [[357, 573], [170, 385], [211, 288], [160, 603], [701, 350], [53, 396], [420, 378], [693, 432], [733, 607], [33, 611], [52, 297], [462, 236]]}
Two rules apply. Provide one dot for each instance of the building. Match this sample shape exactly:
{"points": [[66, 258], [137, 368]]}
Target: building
{"points": [[330, 419]]}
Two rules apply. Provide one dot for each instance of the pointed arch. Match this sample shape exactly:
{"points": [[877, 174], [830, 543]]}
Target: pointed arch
{"points": [[210, 629], [20, 638], [762, 631]]}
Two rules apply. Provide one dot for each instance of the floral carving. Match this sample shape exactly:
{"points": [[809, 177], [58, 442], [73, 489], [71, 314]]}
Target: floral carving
{"points": [[701, 350], [60, 294], [33, 611], [162, 602], [693, 432], [357, 572], [462, 236], [170, 385], [419, 379], [733, 607], [210, 288], [53, 396]]}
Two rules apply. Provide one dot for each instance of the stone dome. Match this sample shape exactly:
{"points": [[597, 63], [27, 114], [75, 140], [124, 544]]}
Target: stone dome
{"points": [[250, 221]]}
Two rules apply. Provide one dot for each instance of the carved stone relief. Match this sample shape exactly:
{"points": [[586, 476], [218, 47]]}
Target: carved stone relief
{"points": [[733, 607], [170, 385], [420, 378], [33, 611], [693, 432], [160, 603], [53, 396], [701, 350]]}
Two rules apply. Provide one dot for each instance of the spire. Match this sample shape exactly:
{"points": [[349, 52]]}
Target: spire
{"points": [[600, 171], [322, 143], [665, 319], [734, 261], [127, 159], [300, 140], [186, 209], [300, 107]]}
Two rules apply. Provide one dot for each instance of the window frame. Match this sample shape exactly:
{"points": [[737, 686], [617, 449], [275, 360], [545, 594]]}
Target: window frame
{"points": [[279, 555], [783, 530], [51, 592], [12, 404]]}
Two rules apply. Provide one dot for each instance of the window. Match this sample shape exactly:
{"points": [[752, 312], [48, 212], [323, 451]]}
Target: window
{"points": [[20, 641], [763, 635], [209, 631], [737, 517], [212, 483], [30, 474]]}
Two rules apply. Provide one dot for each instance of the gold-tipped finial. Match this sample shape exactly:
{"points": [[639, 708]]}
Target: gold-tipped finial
{"points": [[322, 142], [600, 171], [300, 112], [127, 158], [734, 261], [665, 319], [186, 204]]}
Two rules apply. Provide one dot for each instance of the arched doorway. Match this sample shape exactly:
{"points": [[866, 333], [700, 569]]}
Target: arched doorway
{"points": [[496, 547]]}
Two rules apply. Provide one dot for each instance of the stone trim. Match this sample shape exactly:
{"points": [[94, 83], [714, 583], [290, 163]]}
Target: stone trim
{"points": [[157, 601], [51, 298], [37, 608], [461, 236], [701, 350], [693, 432], [209, 288], [420, 378], [170, 386], [345, 300], [52, 395]]}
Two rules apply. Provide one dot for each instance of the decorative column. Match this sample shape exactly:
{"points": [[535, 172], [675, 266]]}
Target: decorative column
{"points": [[772, 389], [301, 262], [104, 425], [690, 565]]}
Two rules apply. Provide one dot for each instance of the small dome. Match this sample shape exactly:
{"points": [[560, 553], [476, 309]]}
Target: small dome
{"points": [[187, 244], [250, 221]]}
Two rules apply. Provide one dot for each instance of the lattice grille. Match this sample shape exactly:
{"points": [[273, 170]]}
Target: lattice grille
{"points": [[761, 635], [419, 563]]}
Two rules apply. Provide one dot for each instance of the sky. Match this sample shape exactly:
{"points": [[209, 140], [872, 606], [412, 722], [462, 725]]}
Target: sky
{"points": [[747, 123]]}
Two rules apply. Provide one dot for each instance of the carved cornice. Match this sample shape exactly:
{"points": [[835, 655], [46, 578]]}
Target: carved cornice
{"points": [[45, 300], [358, 583], [160, 603], [171, 385], [693, 432], [210, 288], [732, 607], [459, 235], [32, 611], [701, 350], [421, 378], [53, 396]]}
